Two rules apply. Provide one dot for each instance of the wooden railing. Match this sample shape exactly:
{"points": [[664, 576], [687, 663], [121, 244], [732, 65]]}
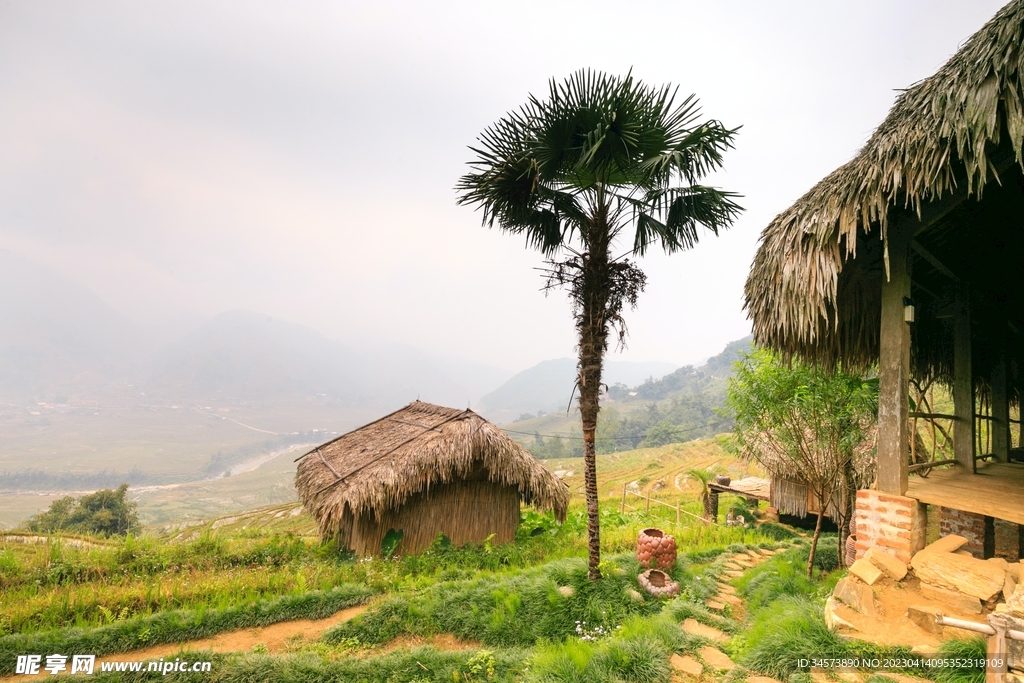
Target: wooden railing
{"points": [[678, 507]]}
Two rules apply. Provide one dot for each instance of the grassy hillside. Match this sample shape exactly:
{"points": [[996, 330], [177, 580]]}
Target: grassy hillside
{"points": [[520, 612], [684, 405]]}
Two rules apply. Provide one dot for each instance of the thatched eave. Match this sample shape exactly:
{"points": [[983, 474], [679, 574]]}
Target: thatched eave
{"points": [[940, 138]]}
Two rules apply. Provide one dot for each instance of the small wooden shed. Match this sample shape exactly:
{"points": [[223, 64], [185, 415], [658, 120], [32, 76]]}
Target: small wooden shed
{"points": [[424, 470]]}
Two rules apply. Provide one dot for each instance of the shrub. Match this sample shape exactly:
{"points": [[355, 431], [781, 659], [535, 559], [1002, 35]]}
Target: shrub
{"points": [[107, 512]]}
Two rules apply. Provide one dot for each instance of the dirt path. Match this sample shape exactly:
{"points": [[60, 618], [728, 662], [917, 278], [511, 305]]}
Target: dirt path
{"points": [[276, 637]]}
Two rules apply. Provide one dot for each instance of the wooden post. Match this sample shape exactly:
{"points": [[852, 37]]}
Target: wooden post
{"points": [[648, 501], [894, 367], [1000, 424], [997, 649], [622, 510], [678, 519], [963, 382]]}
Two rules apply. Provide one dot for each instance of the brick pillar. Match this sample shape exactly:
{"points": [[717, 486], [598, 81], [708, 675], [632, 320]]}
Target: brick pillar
{"points": [[895, 524], [979, 530]]}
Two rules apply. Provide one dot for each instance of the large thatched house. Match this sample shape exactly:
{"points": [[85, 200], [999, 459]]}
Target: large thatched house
{"points": [[909, 256], [424, 470]]}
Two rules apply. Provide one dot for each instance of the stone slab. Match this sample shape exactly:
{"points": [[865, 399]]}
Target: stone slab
{"points": [[955, 600], [761, 679], [1009, 586], [687, 665], [731, 599], [971, 576], [857, 595], [924, 616], [716, 659], [726, 588], [695, 628], [866, 571], [733, 574], [946, 544], [891, 566], [715, 605], [832, 619], [1013, 569]]}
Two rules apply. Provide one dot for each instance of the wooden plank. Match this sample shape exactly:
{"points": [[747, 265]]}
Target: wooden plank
{"points": [[963, 382], [894, 368], [997, 491]]}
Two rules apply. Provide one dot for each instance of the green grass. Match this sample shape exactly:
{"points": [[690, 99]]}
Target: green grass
{"points": [[528, 603], [512, 609], [179, 625]]}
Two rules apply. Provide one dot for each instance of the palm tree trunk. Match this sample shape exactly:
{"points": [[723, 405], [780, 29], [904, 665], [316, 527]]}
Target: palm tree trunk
{"points": [[592, 326]]}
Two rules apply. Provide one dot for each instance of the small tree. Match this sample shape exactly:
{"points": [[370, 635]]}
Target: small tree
{"points": [[703, 477], [804, 424], [107, 512]]}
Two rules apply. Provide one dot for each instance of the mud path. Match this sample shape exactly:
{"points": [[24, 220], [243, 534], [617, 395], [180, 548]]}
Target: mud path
{"points": [[275, 637]]}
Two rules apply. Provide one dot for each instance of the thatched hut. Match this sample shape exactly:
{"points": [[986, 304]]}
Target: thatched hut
{"points": [[907, 257], [424, 470]]}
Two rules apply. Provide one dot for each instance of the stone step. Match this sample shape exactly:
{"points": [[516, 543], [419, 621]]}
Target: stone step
{"points": [[695, 628], [716, 659], [687, 665]]}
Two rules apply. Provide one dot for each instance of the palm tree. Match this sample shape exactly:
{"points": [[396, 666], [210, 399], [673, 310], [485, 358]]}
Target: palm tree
{"points": [[571, 172], [703, 477]]}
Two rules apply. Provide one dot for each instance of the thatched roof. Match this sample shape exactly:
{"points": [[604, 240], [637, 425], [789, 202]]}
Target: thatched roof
{"points": [[813, 290], [381, 465]]}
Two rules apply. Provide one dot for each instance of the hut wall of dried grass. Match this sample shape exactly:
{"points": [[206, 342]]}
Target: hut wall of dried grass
{"points": [[424, 470], [464, 511]]}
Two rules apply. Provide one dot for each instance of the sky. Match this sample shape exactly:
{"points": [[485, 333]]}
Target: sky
{"points": [[299, 159]]}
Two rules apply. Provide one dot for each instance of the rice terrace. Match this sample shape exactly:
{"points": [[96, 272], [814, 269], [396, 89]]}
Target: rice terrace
{"points": [[280, 399]]}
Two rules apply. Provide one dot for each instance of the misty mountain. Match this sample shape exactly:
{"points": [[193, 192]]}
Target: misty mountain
{"points": [[247, 356], [708, 378], [56, 335], [548, 386]]}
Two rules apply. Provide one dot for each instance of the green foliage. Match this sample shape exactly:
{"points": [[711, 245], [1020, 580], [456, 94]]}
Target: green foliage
{"points": [[390, 541], [637, 653], [803, 423], [786, 630], [175, 626], [778, 577], [776, 531], [107, 512], [510, 609], [961, 648], [415, 665]]}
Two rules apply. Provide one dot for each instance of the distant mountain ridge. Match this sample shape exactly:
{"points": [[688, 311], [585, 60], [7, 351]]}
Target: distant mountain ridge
{"points": [[58, 340], [548, 386]]}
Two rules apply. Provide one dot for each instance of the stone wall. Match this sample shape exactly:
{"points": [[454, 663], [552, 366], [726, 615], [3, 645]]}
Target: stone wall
{"points": [[895, 524], [970, 525]]}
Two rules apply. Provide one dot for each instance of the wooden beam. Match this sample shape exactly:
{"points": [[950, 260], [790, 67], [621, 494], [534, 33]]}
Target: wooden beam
{"points": [[963, 382], [930, 258], [1000, 404], [894, 367]]}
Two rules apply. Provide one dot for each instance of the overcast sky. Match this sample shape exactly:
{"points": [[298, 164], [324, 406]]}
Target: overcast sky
{"points": [[299, 158]]}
